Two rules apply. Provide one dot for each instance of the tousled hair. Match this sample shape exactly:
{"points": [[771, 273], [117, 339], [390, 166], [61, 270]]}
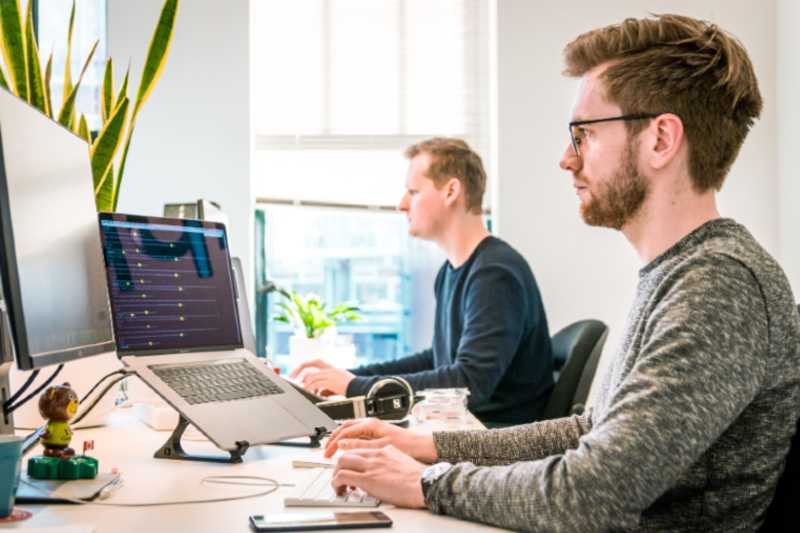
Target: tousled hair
{"points": [[453, 158], [680, 65]]}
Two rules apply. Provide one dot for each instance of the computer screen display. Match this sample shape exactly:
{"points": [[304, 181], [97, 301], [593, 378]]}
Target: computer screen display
{"points": [[50, 256], [170, 284]]}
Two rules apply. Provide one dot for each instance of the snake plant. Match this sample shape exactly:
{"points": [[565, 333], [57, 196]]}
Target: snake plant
{"points": [[25, 77]]}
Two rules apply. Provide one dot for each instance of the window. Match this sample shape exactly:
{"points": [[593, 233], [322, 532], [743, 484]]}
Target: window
{"points": [[341, 88], [90, 25]]}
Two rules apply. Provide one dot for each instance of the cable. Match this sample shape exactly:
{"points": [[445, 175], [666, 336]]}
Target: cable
{"points": [[100, 381], [39, 389], [218, 480], [99, 397], [22, 389]]}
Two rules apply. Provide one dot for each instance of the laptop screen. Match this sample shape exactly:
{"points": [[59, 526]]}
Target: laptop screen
{"points": [[170, 284]]}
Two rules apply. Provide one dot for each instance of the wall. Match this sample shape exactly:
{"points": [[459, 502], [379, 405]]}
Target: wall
{"points": [[788, 80], [589, 272], [192, 137]]}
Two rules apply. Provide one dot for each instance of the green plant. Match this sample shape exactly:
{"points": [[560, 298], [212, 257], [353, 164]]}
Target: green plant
{"points": [[29, 81], [311, 315]]}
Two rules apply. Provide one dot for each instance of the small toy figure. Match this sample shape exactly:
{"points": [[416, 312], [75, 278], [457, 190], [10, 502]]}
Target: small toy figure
{"points": [[58, 404]]}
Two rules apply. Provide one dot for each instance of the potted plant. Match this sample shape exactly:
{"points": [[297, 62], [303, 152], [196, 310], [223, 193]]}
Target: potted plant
{"points": [[28, 80], [314, 326]]}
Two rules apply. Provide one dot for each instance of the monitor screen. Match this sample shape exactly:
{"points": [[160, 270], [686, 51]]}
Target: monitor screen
{"points": [[50, 255], [170, 284]]}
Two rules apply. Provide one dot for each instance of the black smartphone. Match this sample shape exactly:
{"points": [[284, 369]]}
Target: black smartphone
{"points": [[312, 521]]}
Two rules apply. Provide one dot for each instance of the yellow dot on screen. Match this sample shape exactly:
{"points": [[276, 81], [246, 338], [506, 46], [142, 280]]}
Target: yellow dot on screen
{"points": [[180, 289], [175, 274], [146, 312], [138, 264], [182, 319], [141, 281], [180, 305], [144, 296], [181, 334]]}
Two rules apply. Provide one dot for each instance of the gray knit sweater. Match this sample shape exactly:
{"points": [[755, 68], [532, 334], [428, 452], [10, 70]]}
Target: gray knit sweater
{"points": [[692, 421]]}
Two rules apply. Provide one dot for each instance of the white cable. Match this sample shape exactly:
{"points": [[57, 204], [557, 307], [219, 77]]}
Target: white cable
{"points": [[219, 480]]}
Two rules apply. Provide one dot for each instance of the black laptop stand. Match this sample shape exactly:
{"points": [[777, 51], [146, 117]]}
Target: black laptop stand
{"points": [[172, 449]]}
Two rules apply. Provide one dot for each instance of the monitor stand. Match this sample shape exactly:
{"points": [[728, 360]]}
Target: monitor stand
{"points": [[6, 361]]}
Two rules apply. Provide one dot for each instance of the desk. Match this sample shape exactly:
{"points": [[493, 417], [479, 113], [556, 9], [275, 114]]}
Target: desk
{"points": [[128, 445]]}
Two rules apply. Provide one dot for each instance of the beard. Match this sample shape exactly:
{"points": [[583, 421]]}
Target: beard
{"points": [[615, 202]]}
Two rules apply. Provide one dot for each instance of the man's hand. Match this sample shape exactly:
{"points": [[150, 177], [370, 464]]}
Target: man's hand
{"points": [[372, 433], [386, 473], [320, 376]]}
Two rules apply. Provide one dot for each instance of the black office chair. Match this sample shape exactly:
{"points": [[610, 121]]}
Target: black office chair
{"points": [[576, 352], [782, 513]]}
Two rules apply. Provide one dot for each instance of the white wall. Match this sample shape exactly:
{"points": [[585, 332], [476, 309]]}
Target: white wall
{"points": [[588, 272], [788, 80], [192, 137]]}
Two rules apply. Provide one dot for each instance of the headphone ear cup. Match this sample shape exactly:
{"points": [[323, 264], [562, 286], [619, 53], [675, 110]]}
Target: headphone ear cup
{"points": [[391, 398]]}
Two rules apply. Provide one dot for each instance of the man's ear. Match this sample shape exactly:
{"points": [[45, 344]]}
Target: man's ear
{"points": [[666, 140], [452, 191]]}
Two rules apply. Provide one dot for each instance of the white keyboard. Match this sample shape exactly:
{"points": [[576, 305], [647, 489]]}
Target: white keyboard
{"points": [[319, 493]]}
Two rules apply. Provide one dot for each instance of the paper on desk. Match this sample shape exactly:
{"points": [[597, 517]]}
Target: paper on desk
{"points": [[76, 528]]}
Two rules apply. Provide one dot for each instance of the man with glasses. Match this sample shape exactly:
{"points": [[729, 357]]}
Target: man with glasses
{"points": [[694, 417]]}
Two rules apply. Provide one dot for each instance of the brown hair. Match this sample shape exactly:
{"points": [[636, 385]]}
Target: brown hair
{"points": [[676, 64], [453, 158]]}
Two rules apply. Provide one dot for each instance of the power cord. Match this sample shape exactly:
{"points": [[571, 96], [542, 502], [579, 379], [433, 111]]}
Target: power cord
{"points": [[11, 408], [22, 389], [211, 480]]}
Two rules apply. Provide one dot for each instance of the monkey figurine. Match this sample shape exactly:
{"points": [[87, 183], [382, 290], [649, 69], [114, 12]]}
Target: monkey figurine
{"points": [[58, 404]]}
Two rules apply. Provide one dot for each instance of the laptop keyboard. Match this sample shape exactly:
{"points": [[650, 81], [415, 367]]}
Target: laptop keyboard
{"points": [[319, 493], [216, 381]]}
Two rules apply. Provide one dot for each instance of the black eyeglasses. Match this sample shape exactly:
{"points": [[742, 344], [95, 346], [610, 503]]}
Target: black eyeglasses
{"points": [[576, 137]]}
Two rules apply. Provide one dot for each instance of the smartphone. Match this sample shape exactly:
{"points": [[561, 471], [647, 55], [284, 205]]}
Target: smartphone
{"points": [[319, 520]]}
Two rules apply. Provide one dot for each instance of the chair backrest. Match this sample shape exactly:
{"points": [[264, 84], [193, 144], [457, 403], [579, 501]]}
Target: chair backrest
{"points": [[782, 514], [577, 347]]}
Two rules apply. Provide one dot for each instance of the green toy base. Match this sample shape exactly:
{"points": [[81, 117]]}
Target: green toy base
{"points": [[78, 467]]}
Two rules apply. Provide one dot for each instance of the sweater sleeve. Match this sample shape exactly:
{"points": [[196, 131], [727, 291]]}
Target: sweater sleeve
{"points": [[493, 326], [520, 443], [701, 360], [365, 375]]}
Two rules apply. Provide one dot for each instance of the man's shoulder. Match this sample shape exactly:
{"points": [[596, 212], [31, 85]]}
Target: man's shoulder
{"points": [[494, 251]]}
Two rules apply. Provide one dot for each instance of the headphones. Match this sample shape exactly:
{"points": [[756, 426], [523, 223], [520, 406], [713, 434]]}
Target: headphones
{"points": [[390, 398]]}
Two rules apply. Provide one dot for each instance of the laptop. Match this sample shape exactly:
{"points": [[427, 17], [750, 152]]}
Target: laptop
{"points": [[176, 324]]}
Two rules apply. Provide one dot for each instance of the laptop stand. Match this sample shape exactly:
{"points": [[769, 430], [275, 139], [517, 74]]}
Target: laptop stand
{"points": [[172, 449]]}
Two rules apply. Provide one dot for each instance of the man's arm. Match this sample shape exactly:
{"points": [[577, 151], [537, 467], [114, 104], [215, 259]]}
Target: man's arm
{"points": [[527, 442], [492, 332], [700, 365], [411, 363]]}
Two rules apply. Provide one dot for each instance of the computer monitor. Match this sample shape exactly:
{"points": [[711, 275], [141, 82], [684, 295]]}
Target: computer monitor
{"points": [[53, 278]]}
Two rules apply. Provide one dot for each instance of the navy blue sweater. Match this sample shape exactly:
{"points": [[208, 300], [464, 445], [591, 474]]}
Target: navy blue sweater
{"points": [[490, 336]]}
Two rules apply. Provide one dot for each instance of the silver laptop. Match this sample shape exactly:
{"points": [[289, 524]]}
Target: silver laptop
{"points": [[177, 325]]}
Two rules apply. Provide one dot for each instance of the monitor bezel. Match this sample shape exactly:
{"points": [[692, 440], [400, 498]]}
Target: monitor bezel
{"points": [[181, 222]]}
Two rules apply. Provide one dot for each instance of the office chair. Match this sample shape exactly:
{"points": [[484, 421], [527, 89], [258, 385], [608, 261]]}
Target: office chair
{"points": [[576, 352], [782, 513]]}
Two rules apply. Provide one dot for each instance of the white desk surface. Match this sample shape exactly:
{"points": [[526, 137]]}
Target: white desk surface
{"points": [[128, 445]]}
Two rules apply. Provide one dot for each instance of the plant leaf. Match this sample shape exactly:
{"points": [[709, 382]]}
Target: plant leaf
{"points": [[3, 82], [157, 53], [83, 130], [68, 63], [107, 143], [33, 67], [68, 110], [153, 66], [102, 196], [107, 100], [48, 73], [13, 45]]}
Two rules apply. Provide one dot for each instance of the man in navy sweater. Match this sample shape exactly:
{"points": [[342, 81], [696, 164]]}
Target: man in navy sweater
{"points": [[491, 333]]}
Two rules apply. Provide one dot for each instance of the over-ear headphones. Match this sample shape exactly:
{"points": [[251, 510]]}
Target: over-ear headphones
{"points": [[390, 398]]}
